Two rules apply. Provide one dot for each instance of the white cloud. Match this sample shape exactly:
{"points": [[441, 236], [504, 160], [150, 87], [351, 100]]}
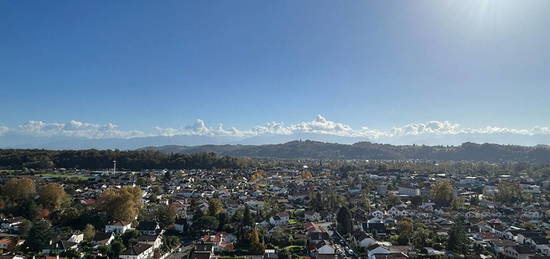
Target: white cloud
{"points": [[3, 130], [75, 129], [431, 127], [323, 126], [320, 125]]}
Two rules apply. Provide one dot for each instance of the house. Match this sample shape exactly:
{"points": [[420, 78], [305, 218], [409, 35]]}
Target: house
{"points": [[315, 234], [407, 191], [312, 216], [154, 240], [59, 247], [377, 214], [76, 238], [255, 204], [519, 252], [221, 241], [118, 227], [138, 251], [103, 238], [378, 229], [279, 219], [148, 227], [541, 244], [398, 211], [6, 242], [385, 252], [270, 254], [202, 251], [11, 224], [180, 224], [500, 245], [525, 237], [13, 257], [324, 250], [363, 239]]}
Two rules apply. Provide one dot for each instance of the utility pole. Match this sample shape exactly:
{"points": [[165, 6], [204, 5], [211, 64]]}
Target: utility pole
{"points": [[114, 166]]}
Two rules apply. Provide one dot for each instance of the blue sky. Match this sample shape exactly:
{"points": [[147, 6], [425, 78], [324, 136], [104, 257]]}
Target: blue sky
{"points": [[379, 64]]}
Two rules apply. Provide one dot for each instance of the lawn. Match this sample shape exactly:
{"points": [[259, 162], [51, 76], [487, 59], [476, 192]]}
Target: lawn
{"points": [[291, 247], [63, 175], [8, 171]]}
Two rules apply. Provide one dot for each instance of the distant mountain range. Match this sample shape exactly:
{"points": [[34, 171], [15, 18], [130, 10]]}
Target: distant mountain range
{"points": [[371, 151], [65, 142], [11, 140]]}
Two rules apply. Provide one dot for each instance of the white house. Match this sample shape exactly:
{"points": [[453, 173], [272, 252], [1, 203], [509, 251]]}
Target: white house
{"points": [[408, 191], [118, 227], [138, 251], [363, 239], [519, 252], [154, 240], [279, 219], [378, 214], [312, 216], [324, 249], [384, 252]]}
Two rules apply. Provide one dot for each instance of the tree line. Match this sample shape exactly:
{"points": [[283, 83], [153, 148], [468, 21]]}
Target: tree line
{"points": [[101, 159], [373, 151]]}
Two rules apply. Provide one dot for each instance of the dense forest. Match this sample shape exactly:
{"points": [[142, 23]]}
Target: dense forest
{"points": [[372, 151], [101, 159]]}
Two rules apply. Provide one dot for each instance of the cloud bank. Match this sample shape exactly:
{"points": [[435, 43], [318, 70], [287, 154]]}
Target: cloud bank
{"points": [[320, 125], [71, 129]]}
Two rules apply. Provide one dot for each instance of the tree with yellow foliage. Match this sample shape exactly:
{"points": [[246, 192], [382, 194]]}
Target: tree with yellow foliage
{"points": [[19, 189], [121, 204], [442, 192], [307, 175], [52, 196], [258, 175]]}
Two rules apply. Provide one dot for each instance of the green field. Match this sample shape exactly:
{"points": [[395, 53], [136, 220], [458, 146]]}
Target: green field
{"points": [[63, 175]]}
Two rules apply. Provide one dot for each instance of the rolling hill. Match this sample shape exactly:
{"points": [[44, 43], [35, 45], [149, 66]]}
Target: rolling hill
{"points": [[371, 151]]}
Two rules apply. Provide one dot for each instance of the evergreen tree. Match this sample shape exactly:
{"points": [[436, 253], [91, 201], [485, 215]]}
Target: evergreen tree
{"points": [[343, 220], [222, 218], [458, 241], [247, 218], [255, 247], [39, 236]]}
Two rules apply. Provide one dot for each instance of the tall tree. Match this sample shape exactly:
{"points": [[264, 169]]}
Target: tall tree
{"points": [[343, 220], [247, 218], [255, 246], [405, 230], [215, 207], [167, 214], [508, 192], [442, 192], [205, 222], [458, 240], [222, 218], [39, 236], [19, 189], [89, 232], [121, 204], [52, 196], [116, 248]]}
